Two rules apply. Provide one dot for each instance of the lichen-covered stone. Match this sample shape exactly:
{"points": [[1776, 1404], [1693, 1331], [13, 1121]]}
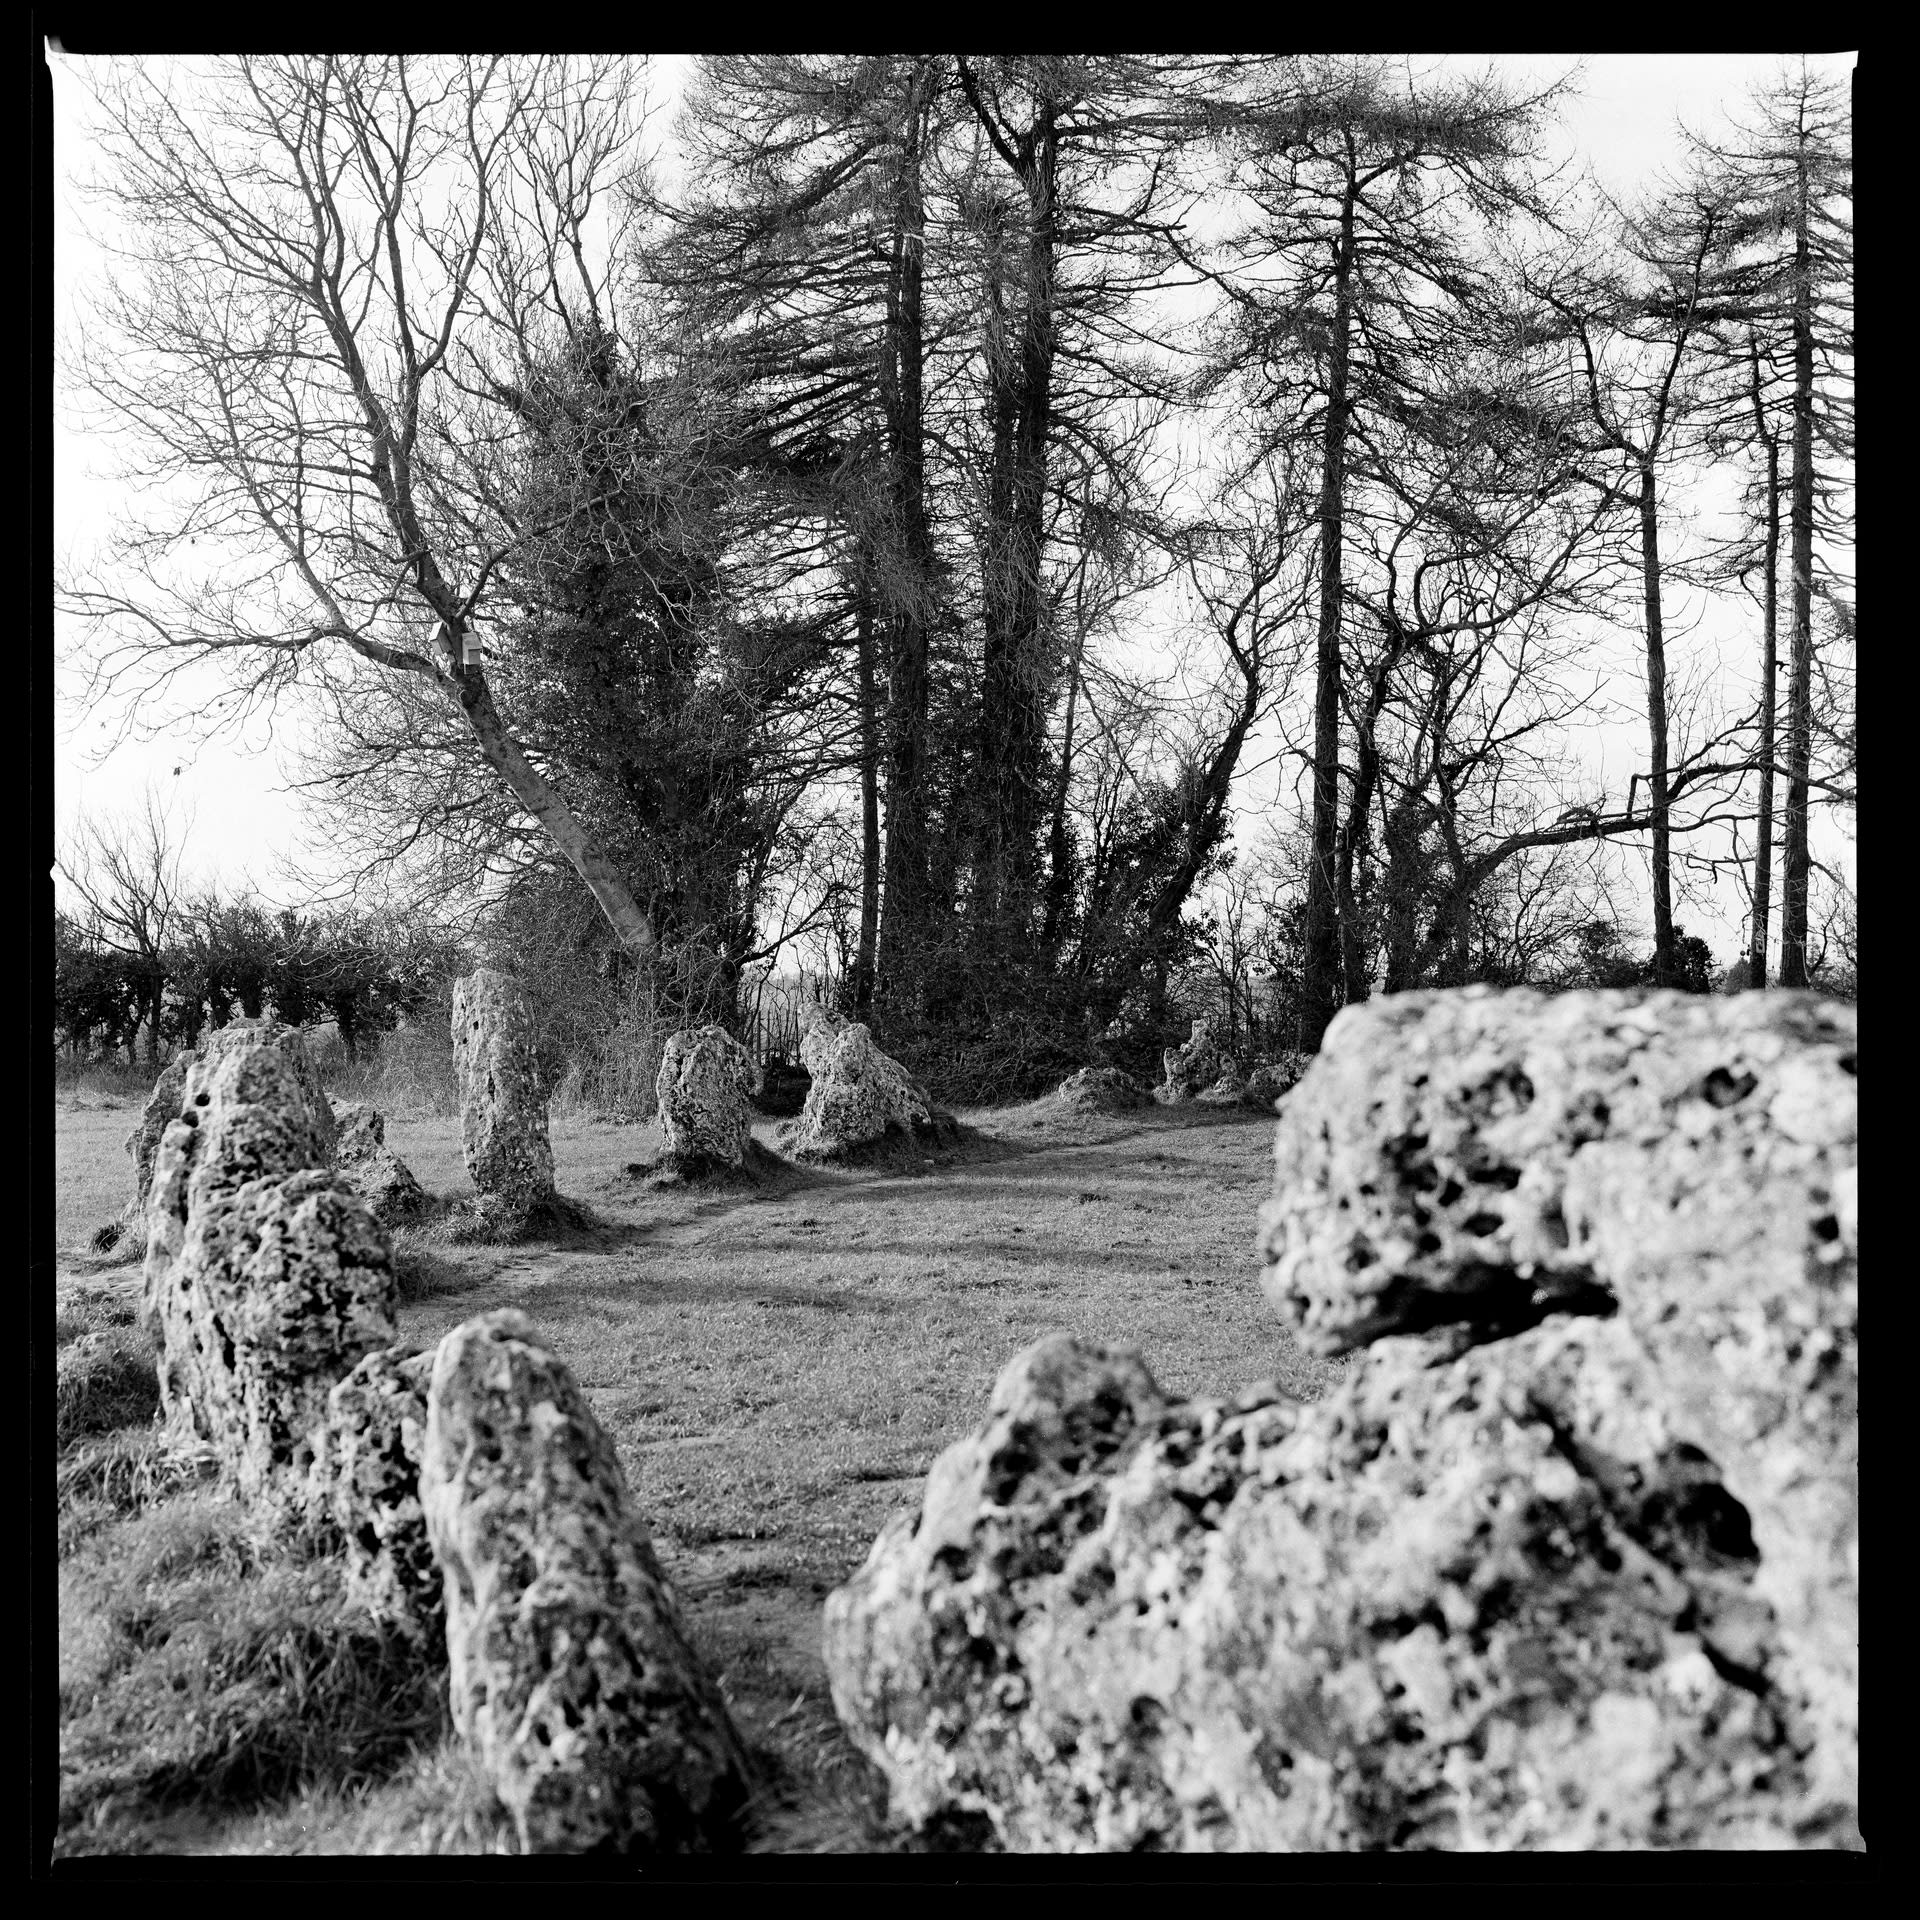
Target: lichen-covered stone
{"points": [[702, 1096], [276, 1289], [1477, 1159], [363, 1488], [1188, 1070], [373, 1169], [859, 1095], [266, 1278], [1571, 1561], [503, 1109], [1487, 1603], [1102, 1090], [571, 1677], [163, 1104]]}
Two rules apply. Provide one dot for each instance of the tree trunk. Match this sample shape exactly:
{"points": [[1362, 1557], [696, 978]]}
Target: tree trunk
{"points": [[1797, 860], [1354, 834], [1015, 677], [869, 815], [503, 754], [1769, 673], [1322, 982], [1663, 950], [1059, 845], [910, 609]]}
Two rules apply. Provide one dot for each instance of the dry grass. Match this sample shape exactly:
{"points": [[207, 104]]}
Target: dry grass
{"points": [[777, 1367]]}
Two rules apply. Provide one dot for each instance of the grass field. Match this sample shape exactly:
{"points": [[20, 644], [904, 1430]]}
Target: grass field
{"points": [[778, 1369]]}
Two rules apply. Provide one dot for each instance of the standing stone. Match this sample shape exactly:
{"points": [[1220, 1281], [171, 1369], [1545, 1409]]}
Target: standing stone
{"points": [[858, 1095], [266, 1277], [571, 1676], [1185, 1070], [503, 1112], [702, 1096], [364, 1488], [376, 1172]]}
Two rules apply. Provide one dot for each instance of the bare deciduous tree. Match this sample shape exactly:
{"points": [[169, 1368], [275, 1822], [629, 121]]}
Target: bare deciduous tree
{"points": [[328, 272]]}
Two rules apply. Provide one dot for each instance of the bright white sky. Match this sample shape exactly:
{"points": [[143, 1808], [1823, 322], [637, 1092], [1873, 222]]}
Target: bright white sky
{"points": [[244, 826]]}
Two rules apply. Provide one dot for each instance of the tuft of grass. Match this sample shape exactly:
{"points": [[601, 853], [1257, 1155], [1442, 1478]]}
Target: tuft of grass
{"points": [[103, 1380], [195, 1673]]}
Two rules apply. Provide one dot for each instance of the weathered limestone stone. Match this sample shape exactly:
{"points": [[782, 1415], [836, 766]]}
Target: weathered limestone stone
{"points": [[702, 1094], [1480, 1159], [266, 1277], [1102, 1090], [571, 1676], [364, 1487], [1187, 1070], [375, 1171], [1576, 1567], [859, 1095], [1486, 1604], [503, 1112], [163, 1104]]}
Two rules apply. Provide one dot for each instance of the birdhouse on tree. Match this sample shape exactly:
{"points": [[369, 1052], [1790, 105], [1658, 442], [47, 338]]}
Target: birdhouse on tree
{"points": [[471, 651]]}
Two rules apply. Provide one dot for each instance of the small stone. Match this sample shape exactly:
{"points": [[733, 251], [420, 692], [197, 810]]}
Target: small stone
{"points": [[1102, 1090], [373, 1169]]}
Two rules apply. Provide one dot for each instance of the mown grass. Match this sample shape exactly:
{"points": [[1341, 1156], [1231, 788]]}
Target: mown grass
{"points": [[777, 1367]]}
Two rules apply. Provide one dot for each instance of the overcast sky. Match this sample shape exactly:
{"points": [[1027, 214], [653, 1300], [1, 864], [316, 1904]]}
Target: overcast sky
{"points": [[1624, 123]]}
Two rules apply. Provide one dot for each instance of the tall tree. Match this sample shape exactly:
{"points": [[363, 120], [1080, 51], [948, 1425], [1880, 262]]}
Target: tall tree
{"points": [[323, 266], [1789, 172], [1365, 182]]}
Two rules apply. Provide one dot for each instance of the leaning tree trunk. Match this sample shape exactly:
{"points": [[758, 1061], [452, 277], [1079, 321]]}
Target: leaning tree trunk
{"points": [[504, 755], [1663, 948]]}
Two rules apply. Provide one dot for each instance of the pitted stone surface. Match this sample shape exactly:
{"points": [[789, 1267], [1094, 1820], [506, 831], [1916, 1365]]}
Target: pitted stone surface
{"points": [[702, 1093], [376, 1172], [571, 1677], [503, 1110], [364, 1489], [1574, 1567], [859, 1094], [265, 1277], [163, 1104], [1478, 1158], [1486, 1603]]}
